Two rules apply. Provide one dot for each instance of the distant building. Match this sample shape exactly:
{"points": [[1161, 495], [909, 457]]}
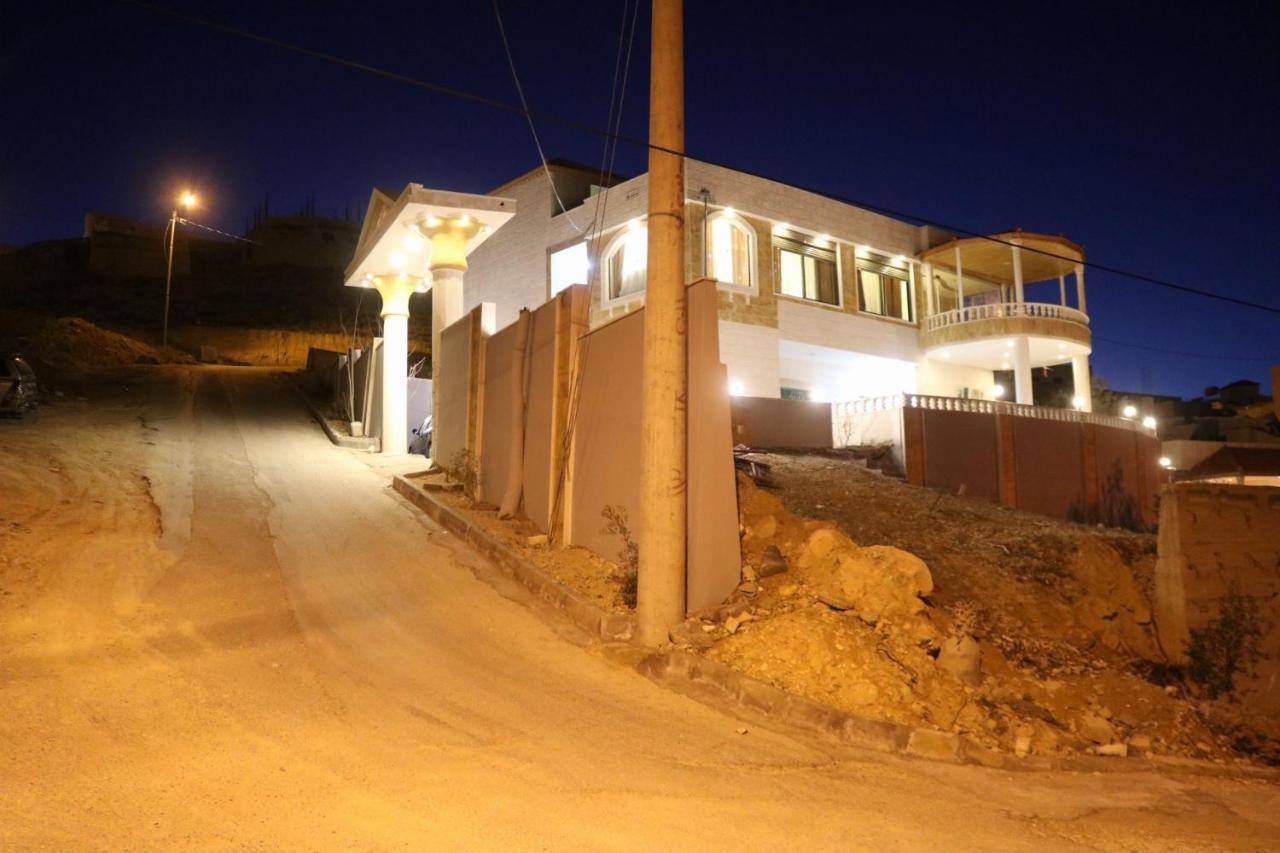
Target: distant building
{"points": [[125, 248], [302, 241]]}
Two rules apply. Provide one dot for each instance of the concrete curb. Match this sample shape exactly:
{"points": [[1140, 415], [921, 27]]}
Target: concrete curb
{"points": [[350, 442], [706, 679], [610, 627]]}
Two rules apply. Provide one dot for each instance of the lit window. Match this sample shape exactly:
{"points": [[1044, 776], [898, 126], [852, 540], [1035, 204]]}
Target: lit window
{"points": [[885, 288], [806, 270], [625, 262], [569, 266], [729, 247]]}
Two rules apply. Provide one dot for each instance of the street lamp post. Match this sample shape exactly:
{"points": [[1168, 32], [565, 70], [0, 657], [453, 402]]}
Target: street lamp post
{"points": [[188, 201]]}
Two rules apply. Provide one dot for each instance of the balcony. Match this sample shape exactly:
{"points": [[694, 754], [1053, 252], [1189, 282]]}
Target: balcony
{"points": [[1000, 303]]}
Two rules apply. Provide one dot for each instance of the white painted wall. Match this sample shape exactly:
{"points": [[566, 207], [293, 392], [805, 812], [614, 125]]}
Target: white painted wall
{"points": [[751, 355], [940, 379], [858, 333]]}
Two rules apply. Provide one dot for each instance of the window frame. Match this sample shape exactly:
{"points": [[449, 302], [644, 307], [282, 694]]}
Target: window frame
{"points": [[614, 245], [833, 246], [880, 265], [735, 221]]}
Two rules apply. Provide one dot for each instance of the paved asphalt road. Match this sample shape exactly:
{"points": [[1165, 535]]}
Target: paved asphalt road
{"points": [[218, 631]]}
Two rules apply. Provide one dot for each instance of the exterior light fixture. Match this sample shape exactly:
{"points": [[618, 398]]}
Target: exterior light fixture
{"points": [[736, 388], [997, 391], [411, 243], [781, 228], [188, 199], [898, 260], [1149, 422], [1166, 462], [728, 211], [432, 220], [818, 395], [1078, 402], [397, 260], [1130, 411], [824, 239], [634, 224], [464, 220]]}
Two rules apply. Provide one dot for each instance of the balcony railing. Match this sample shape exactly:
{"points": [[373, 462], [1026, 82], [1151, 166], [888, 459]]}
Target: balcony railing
{"points": [[998, 310], [872, 405]]}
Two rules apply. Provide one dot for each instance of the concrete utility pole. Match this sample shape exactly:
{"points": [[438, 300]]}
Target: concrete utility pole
{"points": [[660, 594]]}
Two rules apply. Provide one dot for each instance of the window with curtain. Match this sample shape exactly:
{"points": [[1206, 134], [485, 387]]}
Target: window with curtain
{"points": [[806, 270], [625, 263], [729, 247], [885, 289]]}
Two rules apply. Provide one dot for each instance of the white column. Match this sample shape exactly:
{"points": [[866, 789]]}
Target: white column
{"points": [[1080, 289], [395, 291], [926, 270], [1017, 273], [1022, 370], [395, 370], [1080, 378], [959, 280], [1062, 288], [446, 309]]}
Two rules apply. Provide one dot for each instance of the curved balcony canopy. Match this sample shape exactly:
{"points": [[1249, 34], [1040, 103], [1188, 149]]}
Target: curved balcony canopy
{"points": [[990, 260]]}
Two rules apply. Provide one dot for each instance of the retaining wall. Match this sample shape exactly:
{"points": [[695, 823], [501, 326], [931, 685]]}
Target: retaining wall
{"points": [[1216, 539]]}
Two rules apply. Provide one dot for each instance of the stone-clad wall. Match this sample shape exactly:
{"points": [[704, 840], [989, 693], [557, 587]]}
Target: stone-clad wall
{"points": [[1215, 539]]}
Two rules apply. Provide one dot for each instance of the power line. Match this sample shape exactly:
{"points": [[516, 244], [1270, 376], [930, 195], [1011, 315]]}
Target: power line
{"points": [[1186, 354], [573, 124], [524, 104]]}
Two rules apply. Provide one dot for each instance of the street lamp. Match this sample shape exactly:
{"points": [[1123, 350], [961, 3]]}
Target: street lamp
{"points": [[188, 201]]}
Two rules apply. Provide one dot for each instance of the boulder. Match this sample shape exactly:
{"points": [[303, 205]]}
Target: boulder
{"points": [[962, 657]]}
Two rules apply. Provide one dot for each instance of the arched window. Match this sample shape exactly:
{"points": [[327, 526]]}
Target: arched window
{"points": [[625, 263], [730, 250]]}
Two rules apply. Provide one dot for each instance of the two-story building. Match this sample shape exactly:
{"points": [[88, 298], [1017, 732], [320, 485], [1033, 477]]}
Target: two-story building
{"points": [[818, 299]]}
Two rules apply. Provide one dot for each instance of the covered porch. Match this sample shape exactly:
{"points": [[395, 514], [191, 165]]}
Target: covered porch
{"points": [[1003, 303]]}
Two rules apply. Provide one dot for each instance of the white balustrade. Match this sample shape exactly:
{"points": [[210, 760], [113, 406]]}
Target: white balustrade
{"points": [[845, 415], [1000, 310]]}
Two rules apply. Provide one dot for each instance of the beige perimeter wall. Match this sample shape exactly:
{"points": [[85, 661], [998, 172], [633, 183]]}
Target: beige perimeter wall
{"points": [[267, 347]]}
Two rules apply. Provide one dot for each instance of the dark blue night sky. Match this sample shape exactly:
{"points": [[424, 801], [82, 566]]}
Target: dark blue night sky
{"points": [[1149, 134]]}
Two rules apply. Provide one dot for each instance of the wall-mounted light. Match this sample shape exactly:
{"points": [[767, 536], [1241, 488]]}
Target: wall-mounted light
{"points": [[728, 211], [818, 395], [781, 228], [997, 391], [1166, 462], [736, 388], [1078, 402], [1130, 411], [1149, 422]]}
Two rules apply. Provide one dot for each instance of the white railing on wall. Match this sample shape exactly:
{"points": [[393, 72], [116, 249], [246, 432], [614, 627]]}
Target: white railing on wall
{"points": [[999, 310], [841, 413]]}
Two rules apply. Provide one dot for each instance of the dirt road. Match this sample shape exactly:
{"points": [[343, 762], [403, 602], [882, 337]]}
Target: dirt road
{"points": [[219, 631]]}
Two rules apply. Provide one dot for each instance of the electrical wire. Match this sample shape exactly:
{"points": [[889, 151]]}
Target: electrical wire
{"points": [[524, 104], [1184, 354], [216, 231], [586, 128]]}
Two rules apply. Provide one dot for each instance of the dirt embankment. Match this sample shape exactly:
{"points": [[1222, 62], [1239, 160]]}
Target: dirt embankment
{"points": [[1027, 634], [61, 347]]}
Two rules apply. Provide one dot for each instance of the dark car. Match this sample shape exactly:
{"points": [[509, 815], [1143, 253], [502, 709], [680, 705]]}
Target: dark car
{"points": [[18, 387]]}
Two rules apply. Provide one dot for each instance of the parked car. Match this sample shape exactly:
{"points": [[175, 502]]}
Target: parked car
{"points": [[18, 386]]}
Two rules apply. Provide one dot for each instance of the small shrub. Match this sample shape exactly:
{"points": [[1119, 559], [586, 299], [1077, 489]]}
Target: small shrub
{"points": [[1227, 645], [615, 518]]}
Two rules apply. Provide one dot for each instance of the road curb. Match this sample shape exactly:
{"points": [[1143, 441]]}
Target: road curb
{"points": [[350, 442], [704, 679], [610, 627]]}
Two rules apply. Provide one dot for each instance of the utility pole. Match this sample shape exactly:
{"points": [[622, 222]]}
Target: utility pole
{"points": [[187, 200], [168, 279], [660, 598]]}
